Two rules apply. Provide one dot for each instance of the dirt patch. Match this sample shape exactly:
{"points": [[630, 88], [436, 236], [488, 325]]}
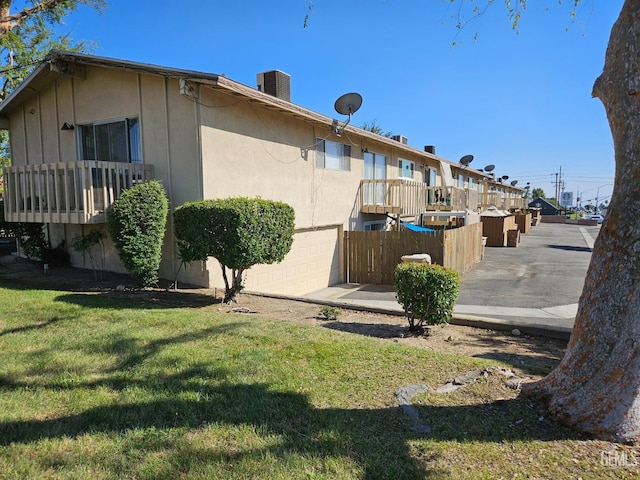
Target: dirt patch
{"points": [[533, 356]]}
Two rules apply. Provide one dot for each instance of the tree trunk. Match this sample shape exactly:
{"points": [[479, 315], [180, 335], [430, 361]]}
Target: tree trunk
{"points": [[596, 386]]}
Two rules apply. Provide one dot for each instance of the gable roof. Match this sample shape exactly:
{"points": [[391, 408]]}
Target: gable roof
{"points": [[543, 203], [59, 63]]}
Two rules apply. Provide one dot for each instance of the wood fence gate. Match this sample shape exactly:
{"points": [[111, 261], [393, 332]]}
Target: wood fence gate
{"points": [[371, 257]]}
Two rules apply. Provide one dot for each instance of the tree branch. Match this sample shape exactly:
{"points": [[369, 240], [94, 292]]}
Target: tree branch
{"points": [[9, 21]]}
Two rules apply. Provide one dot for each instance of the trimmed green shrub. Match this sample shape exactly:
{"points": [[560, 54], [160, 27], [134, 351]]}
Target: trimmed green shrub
{"points": [[426, 292], [137, 221], [239, 232]]}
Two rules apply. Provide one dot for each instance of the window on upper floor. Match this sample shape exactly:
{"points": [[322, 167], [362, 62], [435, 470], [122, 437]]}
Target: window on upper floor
{"points": [[460, 181], [333, 155], [406, 168], [113, 141]]}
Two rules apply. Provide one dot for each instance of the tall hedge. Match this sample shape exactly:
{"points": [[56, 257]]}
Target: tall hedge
{"points": [[137, 221], [426, 292], [239, 232]]}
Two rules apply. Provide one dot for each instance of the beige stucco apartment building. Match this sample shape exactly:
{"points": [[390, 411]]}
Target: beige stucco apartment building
{"points": [[83, 128]]}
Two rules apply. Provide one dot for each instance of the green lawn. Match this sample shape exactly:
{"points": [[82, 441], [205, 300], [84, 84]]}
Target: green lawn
{"points": [[102, 386]]}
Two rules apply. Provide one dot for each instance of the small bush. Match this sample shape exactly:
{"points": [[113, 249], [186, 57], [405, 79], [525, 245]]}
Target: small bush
{"points": [[426, 292], [137, 221], [328, 312]]}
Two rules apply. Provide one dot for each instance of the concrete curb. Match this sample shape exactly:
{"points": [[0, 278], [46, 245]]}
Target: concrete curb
{"points": [[487, 323]]}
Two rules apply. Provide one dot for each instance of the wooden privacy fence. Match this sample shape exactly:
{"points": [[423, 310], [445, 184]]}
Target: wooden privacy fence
{"points": [[371, 257]]}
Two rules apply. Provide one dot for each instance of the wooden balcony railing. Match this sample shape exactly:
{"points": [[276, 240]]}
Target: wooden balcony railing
{"points": [[504, 201], [70, 192], [408, 197]]}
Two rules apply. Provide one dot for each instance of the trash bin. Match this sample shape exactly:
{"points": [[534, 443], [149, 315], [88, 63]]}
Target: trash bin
{"points": [[513, 238]]}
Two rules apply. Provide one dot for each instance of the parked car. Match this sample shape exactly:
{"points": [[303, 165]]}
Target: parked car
{"points": [[596, 216]]}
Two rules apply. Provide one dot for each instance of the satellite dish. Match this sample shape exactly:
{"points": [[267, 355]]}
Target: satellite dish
{"points": [[347, 104], [466, 160], [505, 177], [514, 183], [489, 168]]}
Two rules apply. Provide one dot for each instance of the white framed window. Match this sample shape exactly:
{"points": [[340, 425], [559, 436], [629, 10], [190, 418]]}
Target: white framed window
{"points": [[112, 141], [333, 155], [406, 168], [378, 226], [470, 183], [460, 181]]}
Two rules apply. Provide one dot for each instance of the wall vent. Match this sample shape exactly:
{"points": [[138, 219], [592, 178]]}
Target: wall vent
{"points": [[400, 138], [275, 83]]}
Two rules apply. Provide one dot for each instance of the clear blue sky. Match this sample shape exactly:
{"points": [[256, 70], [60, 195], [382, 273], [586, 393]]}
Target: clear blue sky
{"points": [[519, 101]]}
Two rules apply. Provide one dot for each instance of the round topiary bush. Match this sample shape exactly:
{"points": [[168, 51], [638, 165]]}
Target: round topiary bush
{"points": [[426, 292]]}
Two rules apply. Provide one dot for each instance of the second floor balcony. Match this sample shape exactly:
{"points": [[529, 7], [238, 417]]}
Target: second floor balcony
{"points": [[69, 192], [402, 196]]}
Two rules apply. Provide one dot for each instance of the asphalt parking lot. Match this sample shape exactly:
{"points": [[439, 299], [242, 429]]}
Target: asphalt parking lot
{"points": [[535, 286]]}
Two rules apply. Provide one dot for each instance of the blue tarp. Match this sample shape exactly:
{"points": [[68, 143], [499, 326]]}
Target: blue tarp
{"points": [[411, 226], [417, 228]]}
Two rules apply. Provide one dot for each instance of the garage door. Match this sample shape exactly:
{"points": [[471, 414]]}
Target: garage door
{"points": [[312, 264]]}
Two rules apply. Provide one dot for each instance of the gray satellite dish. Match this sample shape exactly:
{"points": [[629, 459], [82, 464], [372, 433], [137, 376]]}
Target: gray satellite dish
{"points": [[466, 160], [489, 168], [505, 177], [347, 104], [514, 183]]}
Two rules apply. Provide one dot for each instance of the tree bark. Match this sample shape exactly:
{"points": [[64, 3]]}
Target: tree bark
{"points": [[596, 386]]}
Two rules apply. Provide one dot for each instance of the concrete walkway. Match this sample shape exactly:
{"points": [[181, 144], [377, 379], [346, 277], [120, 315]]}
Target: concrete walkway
{"points": [[534, 287]]}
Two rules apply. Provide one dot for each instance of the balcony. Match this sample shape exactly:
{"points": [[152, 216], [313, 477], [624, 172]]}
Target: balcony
{"points": [[402, 196], [70, 192], [504, 201]]}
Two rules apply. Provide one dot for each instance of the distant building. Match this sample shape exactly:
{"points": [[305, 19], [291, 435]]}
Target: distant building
{"points": [[545, 207]]}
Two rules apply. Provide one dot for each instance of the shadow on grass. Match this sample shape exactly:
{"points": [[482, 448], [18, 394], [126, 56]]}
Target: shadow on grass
{"points": [[530, 364], [373, 439], [200, 398], [378, 330], [27, 328], [540, 361], [143, 299]]}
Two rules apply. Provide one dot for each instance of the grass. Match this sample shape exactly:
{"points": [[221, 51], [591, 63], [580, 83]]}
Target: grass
{"points": [[102, 386]]}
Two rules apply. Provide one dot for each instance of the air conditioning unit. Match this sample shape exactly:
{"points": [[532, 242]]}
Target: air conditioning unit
{"points": [[400, 138], [275, 83]]}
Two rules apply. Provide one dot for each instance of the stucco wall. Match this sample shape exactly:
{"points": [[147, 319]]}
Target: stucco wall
{"points": [[209, 145]]}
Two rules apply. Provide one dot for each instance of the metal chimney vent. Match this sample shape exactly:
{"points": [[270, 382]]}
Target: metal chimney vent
{"points": [[275, 83]]}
